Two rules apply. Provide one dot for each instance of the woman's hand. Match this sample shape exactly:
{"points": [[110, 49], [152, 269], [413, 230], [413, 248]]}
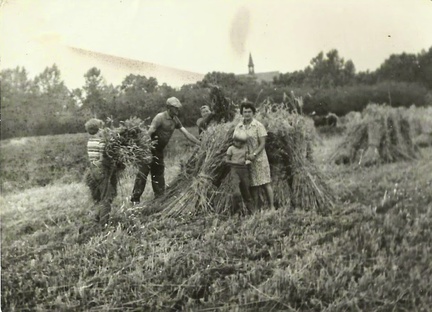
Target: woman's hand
{"points": [[251, 157]]}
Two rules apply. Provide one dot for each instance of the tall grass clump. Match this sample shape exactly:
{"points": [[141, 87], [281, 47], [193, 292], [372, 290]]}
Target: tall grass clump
{"points": [[382, 135]]}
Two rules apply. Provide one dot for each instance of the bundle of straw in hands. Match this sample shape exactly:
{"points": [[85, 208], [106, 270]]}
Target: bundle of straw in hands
{"points": [[129, 144]]}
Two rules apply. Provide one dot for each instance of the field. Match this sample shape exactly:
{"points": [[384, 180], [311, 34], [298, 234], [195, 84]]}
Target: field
{"points": [[372, 253]]}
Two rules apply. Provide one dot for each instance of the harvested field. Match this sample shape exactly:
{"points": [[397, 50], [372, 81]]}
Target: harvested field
{"points": [[369, 252]]}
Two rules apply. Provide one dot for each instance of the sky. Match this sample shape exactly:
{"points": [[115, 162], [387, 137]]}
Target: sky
{"points": [[201, 36]]}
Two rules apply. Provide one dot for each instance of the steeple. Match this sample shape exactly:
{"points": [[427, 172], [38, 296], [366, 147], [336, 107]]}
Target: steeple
{"points": [[251, 65]]}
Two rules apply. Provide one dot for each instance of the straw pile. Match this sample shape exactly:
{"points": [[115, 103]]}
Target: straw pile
{"points": [[296, 178], [127, 145], [420, 119], [382, 135], [222, 108], [204, 186]]}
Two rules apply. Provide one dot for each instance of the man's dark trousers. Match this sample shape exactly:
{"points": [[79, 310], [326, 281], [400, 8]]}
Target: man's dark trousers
{"points": [[157, 170]]}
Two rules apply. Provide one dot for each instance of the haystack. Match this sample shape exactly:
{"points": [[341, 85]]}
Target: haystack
{"points": [[204, 186], [223, 108], [423, 140], [420, 119], [382, 135]]}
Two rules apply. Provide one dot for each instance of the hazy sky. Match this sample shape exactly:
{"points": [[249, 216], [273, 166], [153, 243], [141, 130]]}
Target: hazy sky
{"points": [[203, 36]]}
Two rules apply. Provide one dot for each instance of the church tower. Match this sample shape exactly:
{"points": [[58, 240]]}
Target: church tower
{"points": [[251, 65]]}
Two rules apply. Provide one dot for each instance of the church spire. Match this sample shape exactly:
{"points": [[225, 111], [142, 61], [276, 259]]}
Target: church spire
{"points": [[251, 65]]}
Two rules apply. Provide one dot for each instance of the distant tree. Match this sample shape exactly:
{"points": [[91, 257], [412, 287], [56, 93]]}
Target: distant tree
{"points": [[53, 96], [366, 77], [165, 90], [94, 85], [425, 68], [294, 79], [56, 107], [330, 71], [192, 97], [37, 107], [16, 103], [77, 96], [399, 67], [137, 97], [226, 81], [138, 83], [324, 71], [348, 73], [111, 95]]}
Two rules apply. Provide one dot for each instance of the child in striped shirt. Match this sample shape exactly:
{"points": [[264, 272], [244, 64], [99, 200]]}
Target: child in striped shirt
{"points": [[95, 143], [101, 177]]}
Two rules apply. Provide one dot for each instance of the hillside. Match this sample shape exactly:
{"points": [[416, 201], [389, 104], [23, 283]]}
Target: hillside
{"points": [[40, 161], [372, 253]]}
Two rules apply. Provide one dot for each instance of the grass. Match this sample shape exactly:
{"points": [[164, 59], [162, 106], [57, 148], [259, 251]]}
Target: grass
{"points": [[38, 161], [43, 160], [372, 253]]}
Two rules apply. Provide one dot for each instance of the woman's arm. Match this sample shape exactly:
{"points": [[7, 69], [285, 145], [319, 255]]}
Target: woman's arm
{"points": [[261, 145]]}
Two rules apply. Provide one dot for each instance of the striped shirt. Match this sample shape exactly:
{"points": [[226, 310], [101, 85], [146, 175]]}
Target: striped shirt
{"points": [[95, 148]]}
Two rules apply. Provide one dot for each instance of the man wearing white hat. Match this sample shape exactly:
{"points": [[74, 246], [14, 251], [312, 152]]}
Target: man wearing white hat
{"points": [[161, 130]]}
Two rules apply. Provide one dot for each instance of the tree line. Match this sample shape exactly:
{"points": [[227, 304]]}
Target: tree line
{"points": [[44, 105]]}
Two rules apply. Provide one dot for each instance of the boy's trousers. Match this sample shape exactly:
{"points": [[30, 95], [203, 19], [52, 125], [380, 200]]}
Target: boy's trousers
{"points": [[241, 188], [103, 186]]}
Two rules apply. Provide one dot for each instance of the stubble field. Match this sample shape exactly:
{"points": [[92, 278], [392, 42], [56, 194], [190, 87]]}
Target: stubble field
{"points": [[372, 253]]}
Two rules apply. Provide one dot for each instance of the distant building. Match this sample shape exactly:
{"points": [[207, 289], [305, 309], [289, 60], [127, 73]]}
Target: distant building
{"points": [[260, 77], [251, 65]]}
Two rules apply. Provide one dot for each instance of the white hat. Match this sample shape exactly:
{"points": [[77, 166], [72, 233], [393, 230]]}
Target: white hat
{"points": [[174, 102]]}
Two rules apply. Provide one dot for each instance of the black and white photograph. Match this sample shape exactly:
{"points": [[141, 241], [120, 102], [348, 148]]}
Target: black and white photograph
{"points": [[192, 155]]}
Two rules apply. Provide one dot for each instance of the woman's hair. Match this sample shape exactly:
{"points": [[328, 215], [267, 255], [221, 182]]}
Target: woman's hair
{"points": [[93, 125], [247, 104], [205, 106]]}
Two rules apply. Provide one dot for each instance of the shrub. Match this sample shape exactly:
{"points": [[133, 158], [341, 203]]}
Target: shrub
{"points": [[343, 100]]}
